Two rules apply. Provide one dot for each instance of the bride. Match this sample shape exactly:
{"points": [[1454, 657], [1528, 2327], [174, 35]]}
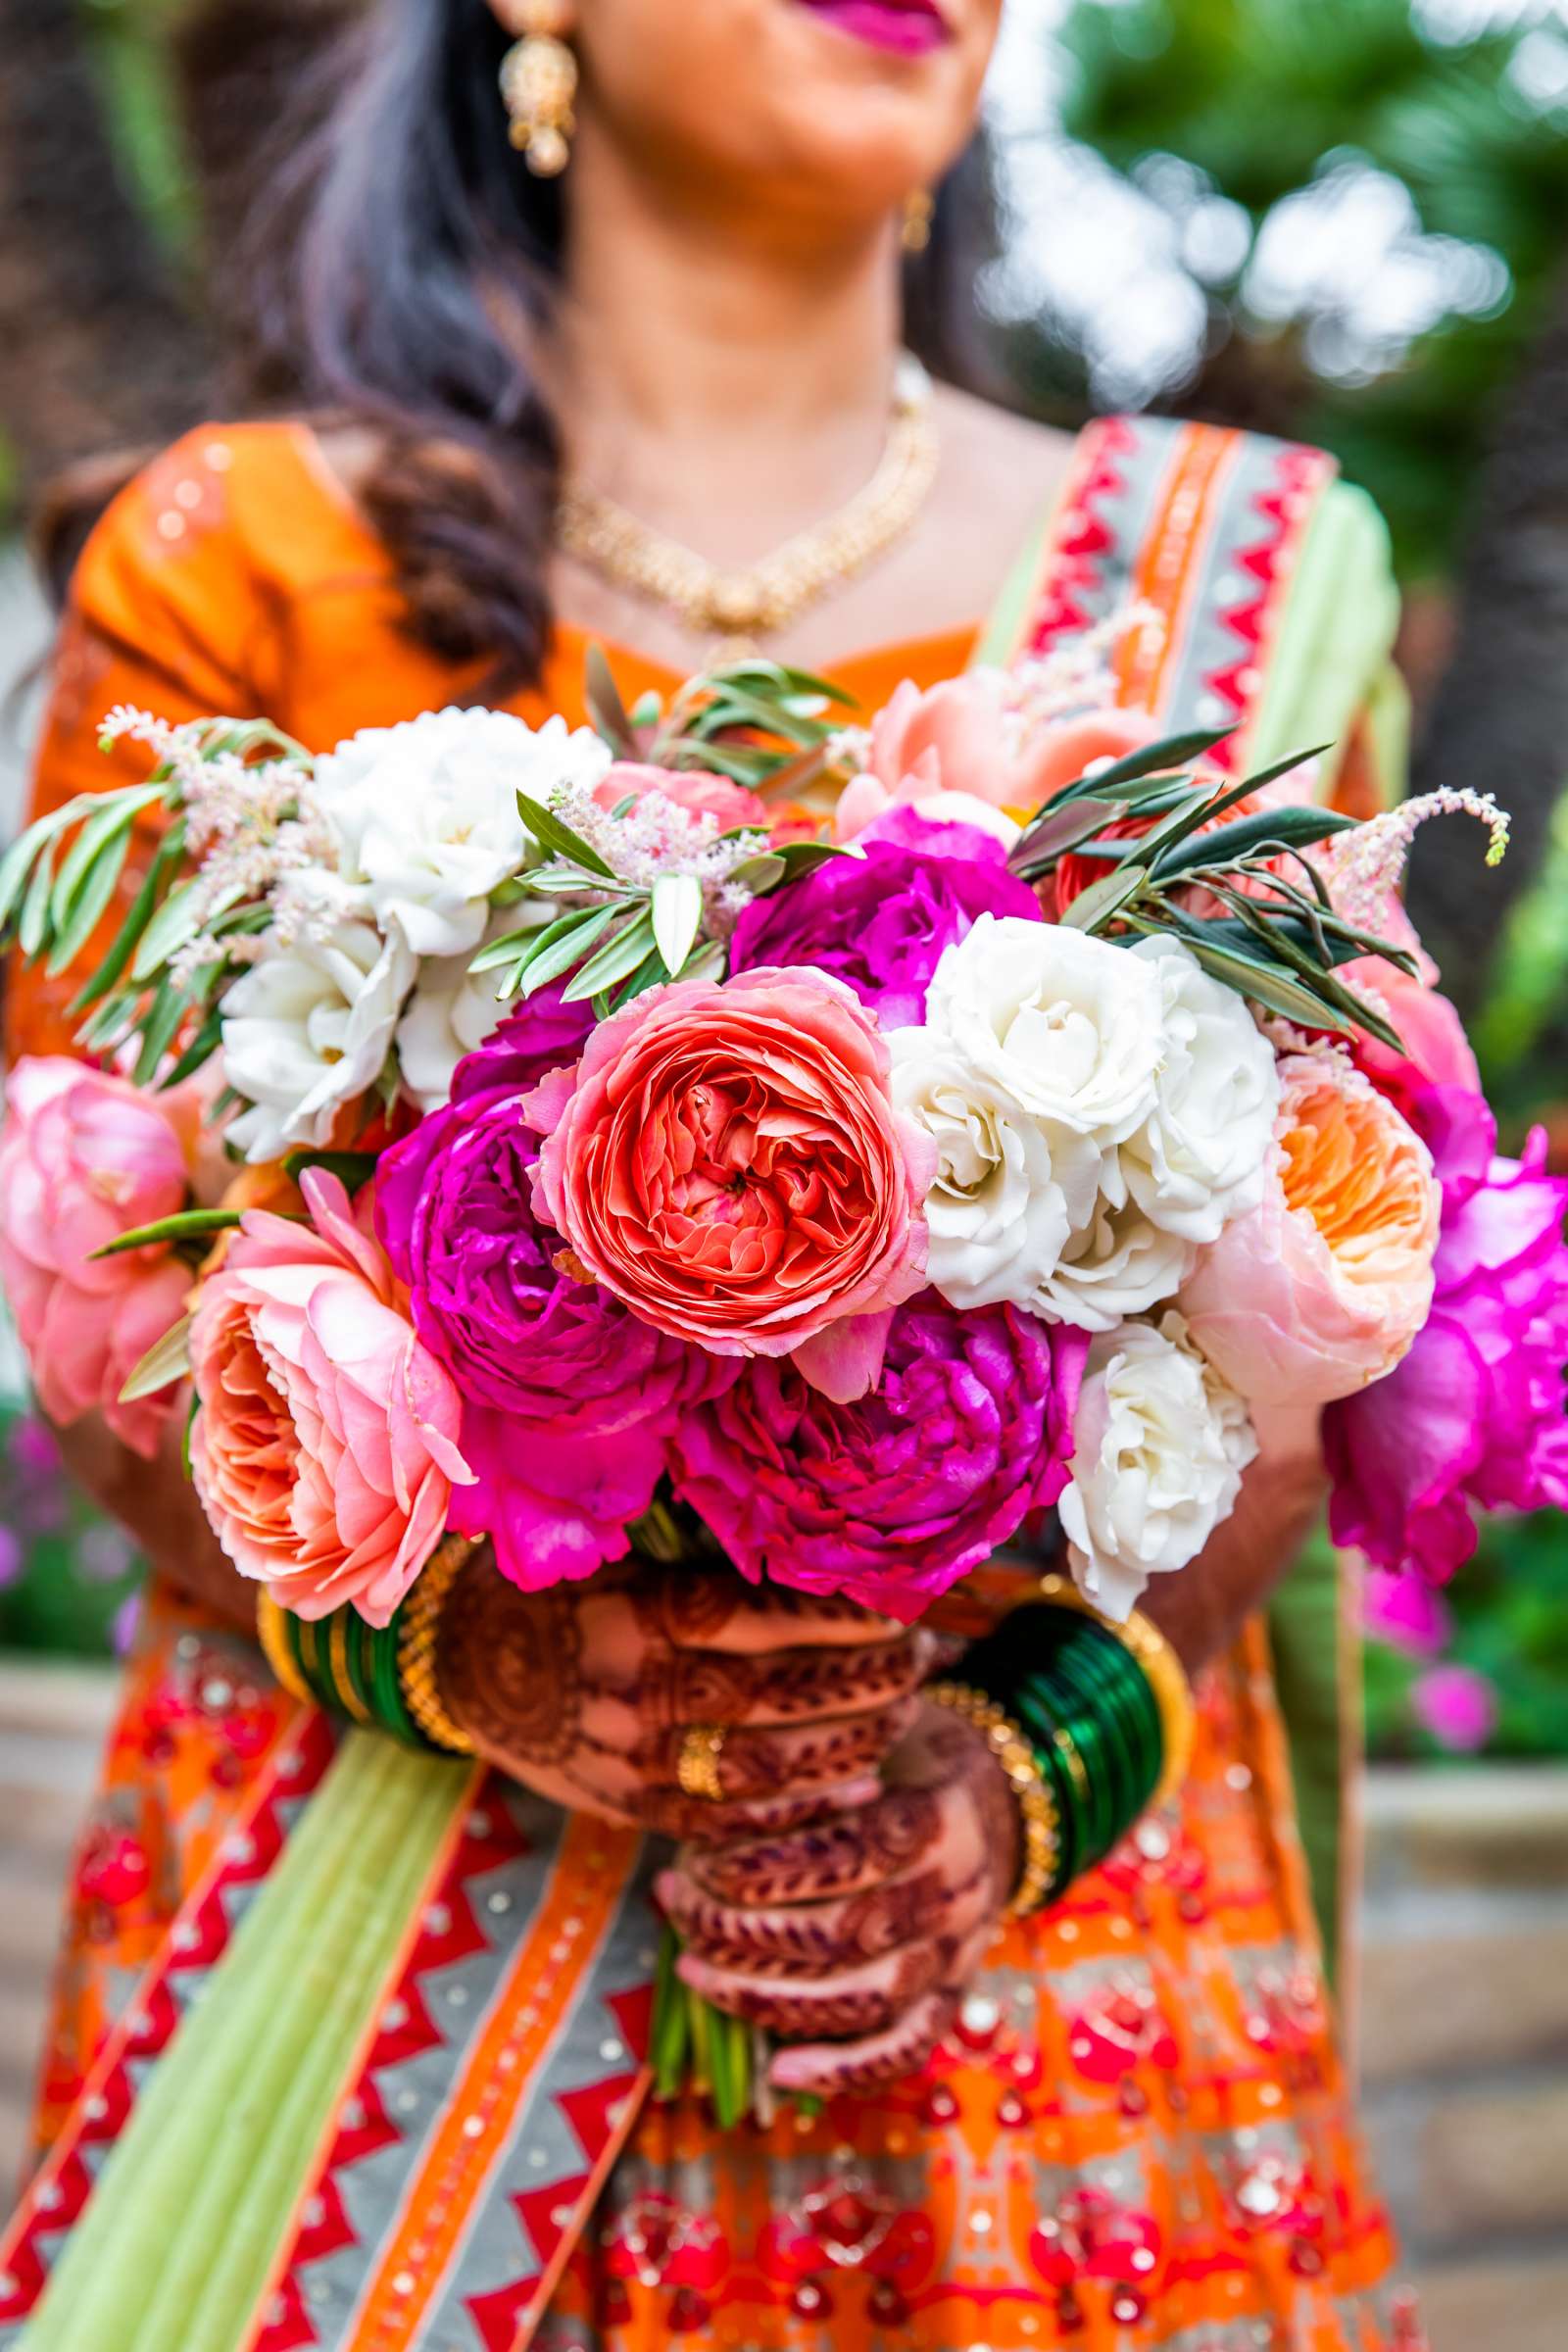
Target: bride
{"points": [[593, 314]]}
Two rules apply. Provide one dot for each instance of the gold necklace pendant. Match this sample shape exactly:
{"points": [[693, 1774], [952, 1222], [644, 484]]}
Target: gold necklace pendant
{"points": [[765, 598]]}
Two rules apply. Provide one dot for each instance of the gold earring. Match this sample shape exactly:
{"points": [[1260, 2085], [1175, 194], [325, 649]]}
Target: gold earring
{"points": [[539, 83], [919, 206]]}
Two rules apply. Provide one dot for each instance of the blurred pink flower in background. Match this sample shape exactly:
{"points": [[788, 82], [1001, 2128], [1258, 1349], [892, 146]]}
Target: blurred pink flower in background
{"points": [[1457, 1705], [1402, 1609], [85, 1157]]}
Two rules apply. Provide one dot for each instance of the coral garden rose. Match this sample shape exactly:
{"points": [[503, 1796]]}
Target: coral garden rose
{"points": [[1160, 1445], [85, 1159], [892, 1498], [1472, 1418], [567, 1397], [880, 922], [325, 1450], [958, 749], [1322, 1287], [726, 1159]]}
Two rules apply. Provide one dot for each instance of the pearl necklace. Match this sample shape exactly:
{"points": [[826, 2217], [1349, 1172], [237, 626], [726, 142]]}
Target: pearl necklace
{"points": [[767, 597]]}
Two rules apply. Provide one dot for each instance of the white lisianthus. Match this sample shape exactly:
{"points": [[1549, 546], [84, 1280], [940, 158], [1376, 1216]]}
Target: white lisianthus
{"points": [[1066, 1027], [1008, 1190], [1116, 1262], [1160, 1445], [1200, 1158], [307, 1029], [425, 814], [452, 1010]]}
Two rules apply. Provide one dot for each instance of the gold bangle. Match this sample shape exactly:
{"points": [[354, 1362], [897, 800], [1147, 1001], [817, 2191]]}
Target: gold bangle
{"points": [[1166, 1673], [1037, 1807], [272, 1633], [697, 1771], [418, 1632]]}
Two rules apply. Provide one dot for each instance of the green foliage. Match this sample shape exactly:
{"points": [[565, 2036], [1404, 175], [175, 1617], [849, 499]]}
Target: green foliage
{"points": [[1509, 1607], [1265, 98]]}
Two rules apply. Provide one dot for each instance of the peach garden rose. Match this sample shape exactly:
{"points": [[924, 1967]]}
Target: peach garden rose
{"points": [[326, 1447], [1322, 1288]]}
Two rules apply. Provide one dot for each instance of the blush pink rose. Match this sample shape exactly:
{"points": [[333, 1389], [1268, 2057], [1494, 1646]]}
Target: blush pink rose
{"points": [[699, 793], [1323, 1287], [1436, 1051], [953, 747], [325, 1450], [727, 1160], [85, 1157]]}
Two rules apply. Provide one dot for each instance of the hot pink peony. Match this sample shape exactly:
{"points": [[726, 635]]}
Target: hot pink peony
{"points": [[85, 1159], [1473, 1419], [726, 1159], [892, 1498], [325, 1450], [1322, 1288], [954, 745]]}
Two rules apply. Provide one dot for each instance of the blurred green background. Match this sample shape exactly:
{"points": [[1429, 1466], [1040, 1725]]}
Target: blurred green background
{"points": [[1341, 219]]}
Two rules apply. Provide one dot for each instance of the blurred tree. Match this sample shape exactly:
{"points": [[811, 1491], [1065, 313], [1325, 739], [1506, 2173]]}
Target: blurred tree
{"points": [[98, 342], [1369, 199]]}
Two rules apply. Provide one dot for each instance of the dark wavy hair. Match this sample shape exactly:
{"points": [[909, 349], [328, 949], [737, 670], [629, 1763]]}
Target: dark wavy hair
{"points": [[400, 260]]}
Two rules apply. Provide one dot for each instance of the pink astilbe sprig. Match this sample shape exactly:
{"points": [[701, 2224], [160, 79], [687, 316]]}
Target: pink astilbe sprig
{"points": [[1364, 868], [252, 827]]}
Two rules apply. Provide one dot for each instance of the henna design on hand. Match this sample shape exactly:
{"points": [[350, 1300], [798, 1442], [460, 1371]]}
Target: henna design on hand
{"points": [[887, 1838], [510, 1668]]}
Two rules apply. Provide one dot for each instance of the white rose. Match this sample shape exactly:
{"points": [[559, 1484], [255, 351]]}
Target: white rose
{"points": [[1200, 1158], [425, 814], [1007, 1188], [309, 1028], [1065, 1026], [1160, 1445], [452, 1010], [1116, 1263]]}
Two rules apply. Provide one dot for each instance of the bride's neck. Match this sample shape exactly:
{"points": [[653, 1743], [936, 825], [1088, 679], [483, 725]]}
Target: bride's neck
{"points": [[710, 364]]}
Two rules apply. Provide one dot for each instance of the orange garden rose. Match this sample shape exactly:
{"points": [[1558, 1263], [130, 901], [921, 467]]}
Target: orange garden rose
{"points": [[728, 1159], [1323, 1287]]}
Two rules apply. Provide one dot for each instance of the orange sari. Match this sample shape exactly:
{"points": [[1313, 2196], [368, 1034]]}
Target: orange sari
{"points": [[1137, 2134]]}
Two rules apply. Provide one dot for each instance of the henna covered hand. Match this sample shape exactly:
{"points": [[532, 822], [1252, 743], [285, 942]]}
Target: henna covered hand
{"points": [[586, 1692], [852, 1939]]}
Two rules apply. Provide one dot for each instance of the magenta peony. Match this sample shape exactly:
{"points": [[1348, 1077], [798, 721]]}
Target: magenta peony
{"points": [[325, 1450], [85, 1159], [1474, 1416], [726, 1159], [891, 1499], [567, 1397], [1322, 1288], [880, 922]]}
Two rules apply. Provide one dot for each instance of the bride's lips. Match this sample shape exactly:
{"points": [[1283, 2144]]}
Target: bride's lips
{"points": [[906, 28]]}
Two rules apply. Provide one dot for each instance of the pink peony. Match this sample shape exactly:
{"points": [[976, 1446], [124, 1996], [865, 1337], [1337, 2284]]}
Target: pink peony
{"points": [[954, 748], [325, 1450], [1474, 1416], [726, 1159], [1322, 1288], [85, 1159]]}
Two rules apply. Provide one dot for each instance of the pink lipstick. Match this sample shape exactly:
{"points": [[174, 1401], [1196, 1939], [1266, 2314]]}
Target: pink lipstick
{"points": [[903, 28]]}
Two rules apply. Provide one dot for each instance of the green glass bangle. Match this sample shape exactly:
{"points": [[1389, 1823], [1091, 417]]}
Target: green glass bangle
{"points": [[386, 1690], [302, 1641], [1089, 1710]]}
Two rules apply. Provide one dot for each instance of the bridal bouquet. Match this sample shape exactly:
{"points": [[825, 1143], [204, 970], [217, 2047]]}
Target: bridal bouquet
{"points": [[848, 1142]]}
